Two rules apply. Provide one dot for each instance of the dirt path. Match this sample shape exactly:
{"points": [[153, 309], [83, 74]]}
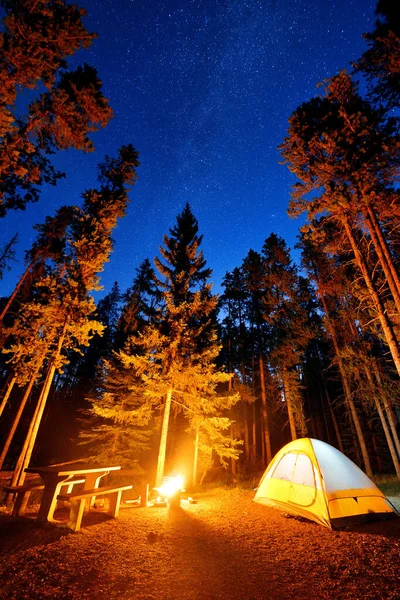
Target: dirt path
{"points": [[224, 547]]}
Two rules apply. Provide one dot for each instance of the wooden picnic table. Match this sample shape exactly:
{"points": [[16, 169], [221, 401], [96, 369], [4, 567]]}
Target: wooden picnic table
{"points": [[54, 475]]}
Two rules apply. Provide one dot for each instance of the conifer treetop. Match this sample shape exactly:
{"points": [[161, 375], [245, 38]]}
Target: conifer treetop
{"points": [[185, 267]]}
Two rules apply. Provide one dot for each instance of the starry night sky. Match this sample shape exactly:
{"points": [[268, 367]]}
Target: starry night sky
{"points": [[203, 89]]}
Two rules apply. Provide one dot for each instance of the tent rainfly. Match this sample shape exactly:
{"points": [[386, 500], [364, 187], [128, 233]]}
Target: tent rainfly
{"points": [[312, 479]]}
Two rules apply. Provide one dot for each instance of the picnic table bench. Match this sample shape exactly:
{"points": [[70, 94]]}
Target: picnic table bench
{"points": [[23, 493], [78, 502], [54, 475]]}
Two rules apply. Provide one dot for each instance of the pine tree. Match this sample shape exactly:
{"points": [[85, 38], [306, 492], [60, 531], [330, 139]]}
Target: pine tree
{"points": [[62, 306], [346, 158], [168, 364], [37, 37], [285, 313], [381, 62]]}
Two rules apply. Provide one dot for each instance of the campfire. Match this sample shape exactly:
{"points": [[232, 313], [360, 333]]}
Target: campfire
{"points": [[170, 491]]}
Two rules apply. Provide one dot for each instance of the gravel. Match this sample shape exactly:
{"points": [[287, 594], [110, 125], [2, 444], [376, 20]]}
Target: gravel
{"points": [[222, 547]]}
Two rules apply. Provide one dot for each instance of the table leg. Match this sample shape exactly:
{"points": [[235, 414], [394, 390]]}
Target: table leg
{"points": [[49, 497], [92, 481]]}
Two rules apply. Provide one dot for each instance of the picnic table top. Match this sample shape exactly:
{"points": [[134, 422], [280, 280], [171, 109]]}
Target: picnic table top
{"points": [[76, 469]]}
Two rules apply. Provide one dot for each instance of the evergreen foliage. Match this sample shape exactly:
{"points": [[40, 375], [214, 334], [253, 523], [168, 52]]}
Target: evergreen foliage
{"points": [[37, 38]]}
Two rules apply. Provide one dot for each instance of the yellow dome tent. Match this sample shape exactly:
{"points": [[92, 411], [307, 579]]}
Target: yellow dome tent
{"points": [[312, 479]]}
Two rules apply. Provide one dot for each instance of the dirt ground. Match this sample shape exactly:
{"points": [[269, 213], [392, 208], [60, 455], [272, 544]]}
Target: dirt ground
{"points": [[223, 547]]}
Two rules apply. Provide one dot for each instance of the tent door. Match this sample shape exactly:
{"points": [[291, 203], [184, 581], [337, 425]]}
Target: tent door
{"points": [[303, 490]]}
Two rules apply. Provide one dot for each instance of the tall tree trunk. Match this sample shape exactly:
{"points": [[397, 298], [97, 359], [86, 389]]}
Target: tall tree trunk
{"points": [[385, 427], [245, 415], [263, 453], [10, 386], [388, 409], [386, 326], [195, 458], [289, 407], [246, 431], [266, 430], [253, 411], [390, 444], [254, 432], [30, 439], [233, 460], [333, 416], [17, 417], [26, 452], [207, 467], [346, 388], [163, 439], [15, 292], [384, 255]]}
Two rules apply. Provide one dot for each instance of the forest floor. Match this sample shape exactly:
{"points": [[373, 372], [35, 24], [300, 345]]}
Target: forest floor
{"points": [[223, 547]]}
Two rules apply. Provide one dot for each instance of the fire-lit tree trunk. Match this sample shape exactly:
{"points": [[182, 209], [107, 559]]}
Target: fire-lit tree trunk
{"points": [[333, 416], [18, 415], [14, 294], [246, 431], [163, 439], [266, 432], [233, 460], [382, 417], [289, 407], [384, 255], [389, 441], [26, 452], [388, 409], [386, 326], [346, 387], [8, 391], [254, 432], [195, 458]]}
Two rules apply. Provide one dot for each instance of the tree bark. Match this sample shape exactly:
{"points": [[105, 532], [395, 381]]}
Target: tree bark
{"points": [[346, 387], [383, 253], [163, 439], [17, 417], [15, 292], [26, 452], [7, 394], [388, 409], [195, 458], [289, 407], [333, 416], [386, 326], [266, 431]]}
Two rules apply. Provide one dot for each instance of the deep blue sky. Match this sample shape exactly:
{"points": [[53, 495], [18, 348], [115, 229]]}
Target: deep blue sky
{"points": [[203, 89]]}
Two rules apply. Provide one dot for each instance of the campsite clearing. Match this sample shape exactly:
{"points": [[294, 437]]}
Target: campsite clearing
{"points": [[224, 547]]}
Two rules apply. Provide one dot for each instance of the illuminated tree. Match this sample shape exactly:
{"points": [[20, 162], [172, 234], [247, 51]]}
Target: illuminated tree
{"points": [[64, 290], [140, 308], [346, 158], [169, 363], [254, 277], [356, 344], [239, 351], [118, 424], [186, 330], [286, 299], [37, 37], [49, 245], [330, 285]]}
